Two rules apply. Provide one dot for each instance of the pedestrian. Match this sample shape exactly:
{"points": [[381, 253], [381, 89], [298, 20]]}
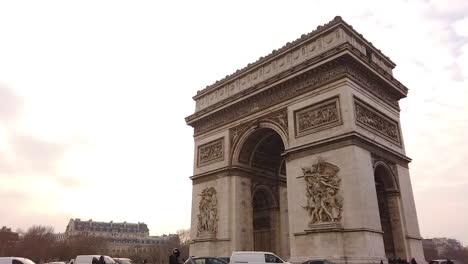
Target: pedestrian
{"points": [[413, 261], [173, 258]]}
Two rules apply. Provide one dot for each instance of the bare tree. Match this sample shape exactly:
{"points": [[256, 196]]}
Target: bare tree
{"points": [[184, 236], [38, 243]]}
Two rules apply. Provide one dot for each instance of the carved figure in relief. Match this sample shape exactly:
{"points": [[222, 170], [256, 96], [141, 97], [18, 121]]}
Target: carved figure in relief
{"points": [[211, 152], [324, 203], [318, 117], [208, 211], [376, 122]]}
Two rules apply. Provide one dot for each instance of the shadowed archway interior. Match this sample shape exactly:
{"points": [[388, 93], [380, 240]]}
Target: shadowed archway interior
{"points": [[262, 153], [385, 185]]}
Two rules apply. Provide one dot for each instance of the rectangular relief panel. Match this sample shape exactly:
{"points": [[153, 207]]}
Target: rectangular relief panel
{"points": [[374, 121], [211, 152], [316, 117]]}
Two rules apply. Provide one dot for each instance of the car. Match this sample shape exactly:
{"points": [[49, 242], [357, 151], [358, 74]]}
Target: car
{"points": [[255, 257], [15, 260], [443, 261], [123, 260], [88, 259], [205, 260], [227, 259], [318, 261]]}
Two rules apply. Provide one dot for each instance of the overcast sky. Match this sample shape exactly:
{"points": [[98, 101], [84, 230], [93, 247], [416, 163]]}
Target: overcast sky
{"points": [[93, 96]]}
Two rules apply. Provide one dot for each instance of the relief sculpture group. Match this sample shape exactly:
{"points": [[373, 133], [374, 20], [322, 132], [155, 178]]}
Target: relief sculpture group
{"points": [[324, 203], [208, 216]]}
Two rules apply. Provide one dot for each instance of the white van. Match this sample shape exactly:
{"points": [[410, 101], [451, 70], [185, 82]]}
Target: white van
{"points": [[15, 260], [88, 259], [254, 257]]}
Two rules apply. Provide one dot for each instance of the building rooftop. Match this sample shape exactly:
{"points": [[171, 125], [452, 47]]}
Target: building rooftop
{"points": [[109, 226]]}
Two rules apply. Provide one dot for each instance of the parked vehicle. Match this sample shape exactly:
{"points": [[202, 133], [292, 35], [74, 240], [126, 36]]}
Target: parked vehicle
{"points": [[123, 260], [205, 260], [254, 257], [88, 259], [227, 259], [443, 261], [318, 261], [15, 260]]}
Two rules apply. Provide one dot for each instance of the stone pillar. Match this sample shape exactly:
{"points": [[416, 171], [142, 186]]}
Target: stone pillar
{"points": [[408, 207], [284, 223], [398, 229], [357, 236], [241, 230]]}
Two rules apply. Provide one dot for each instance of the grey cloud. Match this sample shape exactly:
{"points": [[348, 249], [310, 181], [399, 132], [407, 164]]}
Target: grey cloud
{"points": [[16, 212], [34, 154], [39, 157], [27, 153]]}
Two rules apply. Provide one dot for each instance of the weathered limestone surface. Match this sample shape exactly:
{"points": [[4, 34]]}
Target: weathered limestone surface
{"points": [[301, 153]]}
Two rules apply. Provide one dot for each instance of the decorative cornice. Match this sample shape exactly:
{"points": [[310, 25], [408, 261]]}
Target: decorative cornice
{"points": [[340, 230], [308, 47], [348, 139], [414, 237], [235, 171], [345, 66], [198, 240]]}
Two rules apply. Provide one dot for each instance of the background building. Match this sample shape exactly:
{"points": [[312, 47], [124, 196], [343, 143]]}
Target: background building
{"points": [[106, 229], [8, 240], [122, 238]]}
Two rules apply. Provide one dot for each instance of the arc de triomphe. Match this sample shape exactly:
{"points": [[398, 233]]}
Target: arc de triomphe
{"points": [[301, 153]]}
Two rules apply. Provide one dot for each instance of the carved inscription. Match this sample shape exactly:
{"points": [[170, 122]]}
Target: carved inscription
{"points": [[324, 203], [211, 152], [317, 117], [371, 119], [208, 212]]}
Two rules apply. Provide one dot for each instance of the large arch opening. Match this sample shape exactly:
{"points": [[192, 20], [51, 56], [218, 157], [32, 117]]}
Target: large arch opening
{"points": [[390, 217], [261, 153]]}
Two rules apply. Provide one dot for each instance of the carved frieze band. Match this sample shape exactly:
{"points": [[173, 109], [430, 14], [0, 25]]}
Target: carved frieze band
{"points": [[309, 81], [375, 121], [211, 152], [317, 117]]}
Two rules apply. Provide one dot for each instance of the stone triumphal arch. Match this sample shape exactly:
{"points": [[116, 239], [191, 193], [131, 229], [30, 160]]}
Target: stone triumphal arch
{"points": [[300, 153]]}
